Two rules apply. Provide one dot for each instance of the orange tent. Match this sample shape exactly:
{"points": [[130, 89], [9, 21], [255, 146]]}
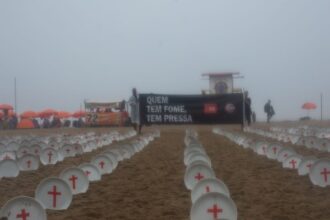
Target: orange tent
{"points": [[25, 123], [79, 114], [29, 114]]}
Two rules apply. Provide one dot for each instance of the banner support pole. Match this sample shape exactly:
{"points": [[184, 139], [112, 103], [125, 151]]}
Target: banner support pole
{"points": [[243, 107]]}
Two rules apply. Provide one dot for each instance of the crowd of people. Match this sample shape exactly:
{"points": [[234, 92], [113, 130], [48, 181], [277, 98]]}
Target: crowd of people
{"points": [[12, 122], [9, 122]]}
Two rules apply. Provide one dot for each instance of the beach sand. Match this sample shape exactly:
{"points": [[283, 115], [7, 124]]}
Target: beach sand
{"points": [[150, 185]]}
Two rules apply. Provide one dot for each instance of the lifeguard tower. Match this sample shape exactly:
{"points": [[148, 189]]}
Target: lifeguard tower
{"points": [[221, 83]]}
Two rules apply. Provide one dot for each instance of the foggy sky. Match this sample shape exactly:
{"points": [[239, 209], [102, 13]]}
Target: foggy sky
{"points": [[65, 51]]}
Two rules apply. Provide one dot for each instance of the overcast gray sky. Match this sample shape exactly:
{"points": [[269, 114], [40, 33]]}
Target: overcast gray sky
{"points": [[65, 51]]}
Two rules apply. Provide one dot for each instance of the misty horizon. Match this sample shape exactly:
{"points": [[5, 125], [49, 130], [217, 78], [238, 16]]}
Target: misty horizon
{"points": [[62, 53]]}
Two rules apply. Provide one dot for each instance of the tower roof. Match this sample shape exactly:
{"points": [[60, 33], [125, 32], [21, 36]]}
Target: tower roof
{"points": [[220, 74]]}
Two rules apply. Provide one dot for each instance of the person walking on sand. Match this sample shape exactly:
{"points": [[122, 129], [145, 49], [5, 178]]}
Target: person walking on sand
{"points": [[269, 110], [248, 110], [134, 113]]}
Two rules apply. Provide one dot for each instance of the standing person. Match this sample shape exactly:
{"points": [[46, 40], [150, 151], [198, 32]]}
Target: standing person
{"points": [[134, 113], [46, 123], [15, 121], [269, 110], [254, 117], [5, 119], [248, 110], [122, 105]]}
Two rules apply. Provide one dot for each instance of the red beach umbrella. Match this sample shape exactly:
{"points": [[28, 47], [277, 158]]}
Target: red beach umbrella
{"points": [[11, 113], [309, 106], [6, 107]]}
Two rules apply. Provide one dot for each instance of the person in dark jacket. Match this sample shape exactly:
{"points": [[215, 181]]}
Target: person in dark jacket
{"points": [[248, 111], [134, 103], [269, 110]]}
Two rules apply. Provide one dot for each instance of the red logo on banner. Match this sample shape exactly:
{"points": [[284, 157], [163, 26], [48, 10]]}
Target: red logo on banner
{"points": [[210, 108]]}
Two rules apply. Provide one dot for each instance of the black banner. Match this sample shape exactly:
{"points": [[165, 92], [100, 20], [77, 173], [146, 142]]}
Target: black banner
{"points": [[191, 109]]}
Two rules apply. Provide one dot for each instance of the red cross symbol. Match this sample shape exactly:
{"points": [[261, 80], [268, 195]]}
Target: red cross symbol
{"points": [[87, 172], [309, 165], [73, 179], [54, 193], [28, 163], [199, 176], [23, 215], [208, 189], [50, 154], [274, 150], [102, 164], [293, 162], [325, 173], [215, 210]]}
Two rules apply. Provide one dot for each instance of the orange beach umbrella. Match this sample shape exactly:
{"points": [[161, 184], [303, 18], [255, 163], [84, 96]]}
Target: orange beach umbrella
{"points": [[79, 114], [63, 114], [309, 106], [29, 114], [47, 113]]}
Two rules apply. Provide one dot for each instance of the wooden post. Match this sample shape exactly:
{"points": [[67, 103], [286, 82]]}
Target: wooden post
{"points": [[321, 106], [15, 95]]}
